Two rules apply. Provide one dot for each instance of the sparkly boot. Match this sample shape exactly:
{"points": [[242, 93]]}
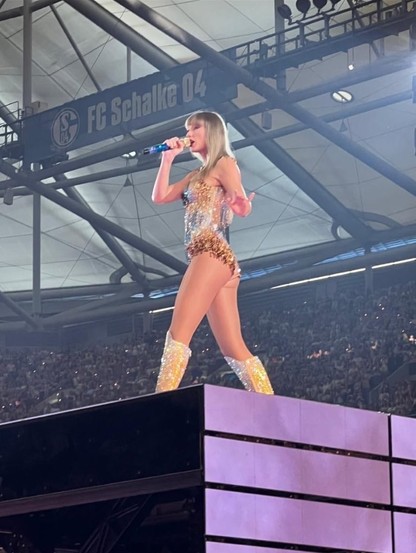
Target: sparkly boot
{"points": [[252, 374], [174, 361]]}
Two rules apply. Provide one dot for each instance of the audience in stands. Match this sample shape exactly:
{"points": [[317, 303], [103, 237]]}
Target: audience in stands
{"points": [[339, 351]]}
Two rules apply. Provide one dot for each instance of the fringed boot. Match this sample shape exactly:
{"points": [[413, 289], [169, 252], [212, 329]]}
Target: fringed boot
{"points": [[252, 374], [174, 361]]}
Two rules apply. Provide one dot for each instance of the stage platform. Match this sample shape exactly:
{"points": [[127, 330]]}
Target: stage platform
{"points": [[209, 469]]}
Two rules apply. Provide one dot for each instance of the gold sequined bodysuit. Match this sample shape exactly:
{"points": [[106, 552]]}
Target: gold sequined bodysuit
{"points": [[207, 217]]}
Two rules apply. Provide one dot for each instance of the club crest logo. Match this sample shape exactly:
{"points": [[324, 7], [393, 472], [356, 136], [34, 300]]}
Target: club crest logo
{"points": [[65, 127]]}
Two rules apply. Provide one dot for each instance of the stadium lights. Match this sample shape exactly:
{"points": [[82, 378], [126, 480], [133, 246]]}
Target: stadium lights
{"points": [[342, 96], [319, 4], [285, 12], [343, 273], [303, 6]]}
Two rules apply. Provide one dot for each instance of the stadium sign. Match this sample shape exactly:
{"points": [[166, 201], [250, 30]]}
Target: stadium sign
{"points": [[133, 105]]}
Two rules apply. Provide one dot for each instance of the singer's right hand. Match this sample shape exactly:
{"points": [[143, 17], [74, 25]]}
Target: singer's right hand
{"points": [[176, 146]]}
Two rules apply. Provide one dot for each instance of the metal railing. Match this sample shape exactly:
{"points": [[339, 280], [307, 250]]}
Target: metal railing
{"points": [[363, 19]]}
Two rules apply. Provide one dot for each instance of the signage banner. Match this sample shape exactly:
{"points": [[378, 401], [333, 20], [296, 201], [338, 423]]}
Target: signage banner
{"points": [[133, 105]]}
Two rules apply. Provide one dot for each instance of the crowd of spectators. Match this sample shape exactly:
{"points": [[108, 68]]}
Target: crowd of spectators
{"points": [[340, 350]]}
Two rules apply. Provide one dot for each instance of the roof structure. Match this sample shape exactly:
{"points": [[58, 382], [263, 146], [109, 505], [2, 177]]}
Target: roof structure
{"points": [[332, 179]]}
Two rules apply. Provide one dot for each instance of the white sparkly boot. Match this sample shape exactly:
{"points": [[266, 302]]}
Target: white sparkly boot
{"points": [[174, 362], [252, 374]]}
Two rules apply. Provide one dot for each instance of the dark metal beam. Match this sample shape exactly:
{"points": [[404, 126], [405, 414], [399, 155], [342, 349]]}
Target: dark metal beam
{"points": [[231, 116], [35, 324], [307, 183], [283, 276], [124, 293], [127, 144], [112, 243], [18, 12], [268, 92], [359, 18], [9, 118], [75, 48], [272, 151], [93, 218], [122, 32]]}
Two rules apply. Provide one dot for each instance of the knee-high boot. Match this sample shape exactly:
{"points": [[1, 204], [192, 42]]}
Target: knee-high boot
{"points": [[252, 374], [174, 361]]}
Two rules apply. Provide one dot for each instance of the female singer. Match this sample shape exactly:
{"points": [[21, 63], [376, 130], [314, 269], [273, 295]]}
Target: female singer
{"points": [[211, 195]]}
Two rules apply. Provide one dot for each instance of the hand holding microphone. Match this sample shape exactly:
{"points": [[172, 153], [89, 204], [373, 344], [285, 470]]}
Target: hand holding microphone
{"points": [[170, 144]]}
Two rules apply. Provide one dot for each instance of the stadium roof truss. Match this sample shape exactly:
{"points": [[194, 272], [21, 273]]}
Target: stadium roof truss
{"points": [[79, 236]]}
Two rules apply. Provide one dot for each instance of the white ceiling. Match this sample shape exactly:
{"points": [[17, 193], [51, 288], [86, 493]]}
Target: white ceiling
{"points": [[283, 217]]}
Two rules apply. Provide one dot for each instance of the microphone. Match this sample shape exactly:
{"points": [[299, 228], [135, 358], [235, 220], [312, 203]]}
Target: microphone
{"points": [[157, 148]]}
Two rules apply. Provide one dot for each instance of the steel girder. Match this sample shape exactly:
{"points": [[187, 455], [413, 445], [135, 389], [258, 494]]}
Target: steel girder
{"points": [[268, 92], [93, 218], [232, 116]]}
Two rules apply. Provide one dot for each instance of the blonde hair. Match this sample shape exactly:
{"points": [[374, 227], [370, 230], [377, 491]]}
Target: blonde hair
{"points": [[216, 136]]}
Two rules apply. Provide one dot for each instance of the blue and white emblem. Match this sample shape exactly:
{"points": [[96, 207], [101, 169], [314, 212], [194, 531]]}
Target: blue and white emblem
{"points": [[65, 127]]}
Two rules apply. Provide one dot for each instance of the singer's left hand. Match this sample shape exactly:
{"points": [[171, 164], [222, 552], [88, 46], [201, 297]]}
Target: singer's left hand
{"points": [[240, 205]]}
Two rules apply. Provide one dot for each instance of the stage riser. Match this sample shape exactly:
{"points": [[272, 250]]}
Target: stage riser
{"points": [[293, 420], [403, 438], [404, 486], [285, 469], [222, 470], [292, 521], [405, 531], [268, 459], [213, 547]]}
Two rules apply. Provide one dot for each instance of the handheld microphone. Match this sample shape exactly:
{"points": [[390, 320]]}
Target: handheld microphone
{"points": [[157, 148]]}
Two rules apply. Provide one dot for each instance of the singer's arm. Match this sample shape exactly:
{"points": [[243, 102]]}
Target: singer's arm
{"points": [[163, 192], [229, 176]]}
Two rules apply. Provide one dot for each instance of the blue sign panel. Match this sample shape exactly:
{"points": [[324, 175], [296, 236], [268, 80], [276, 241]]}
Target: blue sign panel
{"points": [[119, 110]]}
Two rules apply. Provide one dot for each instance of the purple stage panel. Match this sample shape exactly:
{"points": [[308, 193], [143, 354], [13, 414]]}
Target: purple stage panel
{"points": [[282, 418], [404, 486], [296, 470], [404, 532], [344, 428], [216, 547], [234, 411], [403, 437], [292, 521]]}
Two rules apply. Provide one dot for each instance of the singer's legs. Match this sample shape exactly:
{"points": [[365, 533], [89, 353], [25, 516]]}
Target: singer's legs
{"points": [[201, 283], [224, 320]]}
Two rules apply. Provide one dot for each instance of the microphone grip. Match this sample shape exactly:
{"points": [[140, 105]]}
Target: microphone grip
{"points": [[158, 148]]}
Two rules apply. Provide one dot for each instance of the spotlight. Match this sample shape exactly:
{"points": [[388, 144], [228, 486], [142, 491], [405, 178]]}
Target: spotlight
{"points": [[342, 96], [303, 6], [319, 4], [129, 155], [285, 12], [350, 67]]}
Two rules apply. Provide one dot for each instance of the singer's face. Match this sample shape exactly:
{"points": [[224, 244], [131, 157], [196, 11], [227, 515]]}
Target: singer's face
{"points": [[196, 134]]}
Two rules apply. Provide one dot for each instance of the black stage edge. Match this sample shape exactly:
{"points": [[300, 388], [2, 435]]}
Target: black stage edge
{"points": [[121, 477]]}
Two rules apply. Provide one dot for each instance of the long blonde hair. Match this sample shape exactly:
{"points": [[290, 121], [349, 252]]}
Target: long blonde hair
{"points": [[216, 136]]}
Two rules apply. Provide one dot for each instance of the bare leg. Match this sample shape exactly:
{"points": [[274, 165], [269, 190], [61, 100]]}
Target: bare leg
{"points": [[203, 278], [201, 283], [224, 320]]}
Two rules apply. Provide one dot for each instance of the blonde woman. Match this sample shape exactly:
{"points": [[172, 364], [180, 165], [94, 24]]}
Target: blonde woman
{"points": [[211, 195]]}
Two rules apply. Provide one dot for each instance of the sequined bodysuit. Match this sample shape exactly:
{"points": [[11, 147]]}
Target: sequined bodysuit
{"points": [[207, 217]]}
